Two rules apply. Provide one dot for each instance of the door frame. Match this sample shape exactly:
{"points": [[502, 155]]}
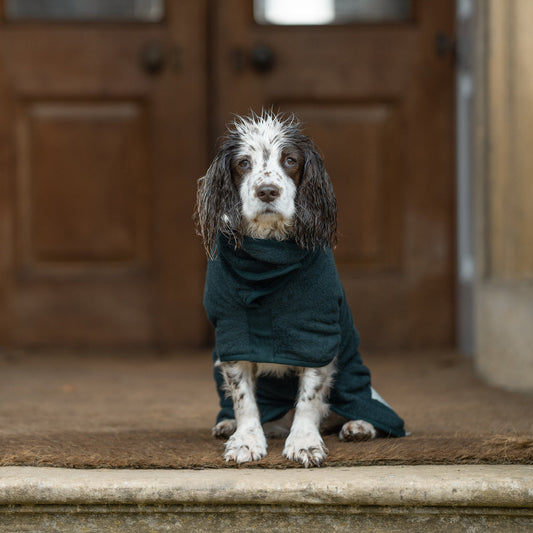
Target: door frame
{"points": [[467, 22]]}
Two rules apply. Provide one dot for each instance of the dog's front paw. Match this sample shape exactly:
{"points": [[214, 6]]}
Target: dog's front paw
{"points": [[224, 429], [246, 446], [306, 449], [356, 430]]}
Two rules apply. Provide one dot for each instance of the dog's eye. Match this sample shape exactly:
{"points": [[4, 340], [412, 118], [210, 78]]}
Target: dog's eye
{"points": [[244, 164], [290, 162]]}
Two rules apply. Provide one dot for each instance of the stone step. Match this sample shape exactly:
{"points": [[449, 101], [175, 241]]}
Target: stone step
{"points": [[373, 498]]}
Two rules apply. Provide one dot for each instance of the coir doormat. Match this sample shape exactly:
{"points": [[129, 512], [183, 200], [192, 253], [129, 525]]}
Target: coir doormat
{"points": [[197, 449], [87, 410]]}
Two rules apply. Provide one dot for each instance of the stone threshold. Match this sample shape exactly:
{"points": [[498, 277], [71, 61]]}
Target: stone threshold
{"points": [[374, 498]]}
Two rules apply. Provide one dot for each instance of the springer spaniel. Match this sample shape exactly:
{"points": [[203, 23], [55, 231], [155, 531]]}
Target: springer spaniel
{"points": [[268, 184]]}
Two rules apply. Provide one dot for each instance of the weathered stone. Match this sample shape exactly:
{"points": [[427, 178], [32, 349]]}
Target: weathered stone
{"points": [[377, 498]]}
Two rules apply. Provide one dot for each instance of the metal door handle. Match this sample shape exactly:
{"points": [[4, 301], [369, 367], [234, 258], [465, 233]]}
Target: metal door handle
{"points": [[444, 45], [262, 58], [152, 57]]}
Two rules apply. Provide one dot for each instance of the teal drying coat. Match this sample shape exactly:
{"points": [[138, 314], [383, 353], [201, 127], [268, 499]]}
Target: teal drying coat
{"points": [[274, 302]]}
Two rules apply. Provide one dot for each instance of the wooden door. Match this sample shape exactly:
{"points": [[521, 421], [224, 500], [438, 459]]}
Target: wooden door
{"points": [[102, 138], [376, 94]]}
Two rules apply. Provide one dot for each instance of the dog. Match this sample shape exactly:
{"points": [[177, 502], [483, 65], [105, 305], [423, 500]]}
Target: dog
{"points": [[286, 355]]}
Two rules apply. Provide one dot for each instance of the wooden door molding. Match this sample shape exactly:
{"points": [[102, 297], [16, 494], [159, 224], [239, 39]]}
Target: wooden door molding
{"points": [[101, 160], [378, 100], [6, 206]]}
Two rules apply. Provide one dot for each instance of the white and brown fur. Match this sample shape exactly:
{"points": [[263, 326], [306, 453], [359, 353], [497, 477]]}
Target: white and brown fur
{"points": [[268, 181]]}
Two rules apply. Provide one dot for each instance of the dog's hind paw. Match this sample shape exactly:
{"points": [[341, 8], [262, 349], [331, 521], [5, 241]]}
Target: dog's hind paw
{"points": [[357, 430], [224, 429]]}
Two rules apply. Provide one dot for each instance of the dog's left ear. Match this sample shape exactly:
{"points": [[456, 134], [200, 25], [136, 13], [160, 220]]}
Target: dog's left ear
{"points": [[316, 216]]}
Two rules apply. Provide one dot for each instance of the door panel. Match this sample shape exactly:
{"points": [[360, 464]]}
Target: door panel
{"points": [[342, 132], [105, 122], [101, 189], [378, 101]]}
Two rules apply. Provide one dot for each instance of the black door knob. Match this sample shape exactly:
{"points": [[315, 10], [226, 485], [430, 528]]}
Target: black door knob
{"points": [[152, 57], [444, 45], [262, 58]]}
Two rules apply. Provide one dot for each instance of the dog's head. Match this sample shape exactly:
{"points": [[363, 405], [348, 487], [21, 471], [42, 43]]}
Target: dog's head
{"points": [[267, 181]]}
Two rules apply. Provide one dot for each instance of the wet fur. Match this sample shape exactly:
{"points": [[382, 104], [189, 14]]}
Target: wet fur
{"points": [[218, 208]]}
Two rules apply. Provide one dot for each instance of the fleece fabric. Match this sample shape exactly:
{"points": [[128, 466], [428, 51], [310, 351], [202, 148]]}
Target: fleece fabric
{"points": [[274, 302]]}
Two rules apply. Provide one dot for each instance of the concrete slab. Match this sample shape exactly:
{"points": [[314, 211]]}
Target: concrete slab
{"points": [[377, 498]]}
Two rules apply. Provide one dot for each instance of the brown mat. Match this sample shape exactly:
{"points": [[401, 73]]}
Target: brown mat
{"points": [[146, 411], [196, 449]]}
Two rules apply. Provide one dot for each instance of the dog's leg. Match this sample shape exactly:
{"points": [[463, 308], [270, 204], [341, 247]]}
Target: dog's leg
{"points": [[304, 443], [248, 443]]}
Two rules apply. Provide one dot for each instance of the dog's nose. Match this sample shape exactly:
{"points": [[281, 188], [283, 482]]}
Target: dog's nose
{"points": [[267, 192]]}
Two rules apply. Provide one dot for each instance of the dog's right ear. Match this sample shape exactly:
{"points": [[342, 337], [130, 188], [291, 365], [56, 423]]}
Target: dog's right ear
{"points": [[217, 202]]}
